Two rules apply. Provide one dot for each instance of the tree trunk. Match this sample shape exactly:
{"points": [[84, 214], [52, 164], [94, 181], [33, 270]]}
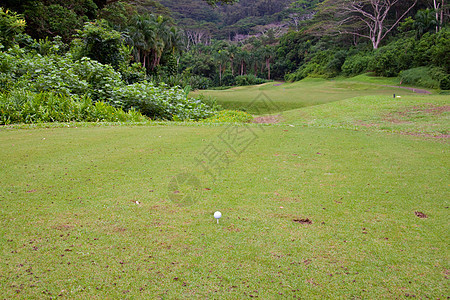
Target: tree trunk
{"points": [[436, 9], [231, 65], [268, 67]]}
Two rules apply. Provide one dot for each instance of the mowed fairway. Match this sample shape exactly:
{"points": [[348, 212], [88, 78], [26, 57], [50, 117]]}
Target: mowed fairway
{"points": [[310, 209], [308, 92]]}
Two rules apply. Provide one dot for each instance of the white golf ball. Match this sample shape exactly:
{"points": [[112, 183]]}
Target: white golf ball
{"points": [[217, 215]]}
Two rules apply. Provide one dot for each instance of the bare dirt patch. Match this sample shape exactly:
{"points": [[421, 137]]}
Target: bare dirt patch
{"points": [[407, 114], [364, 124], [435, 110], [392, 118], [440, 136], [267, 119], [63, 227]]}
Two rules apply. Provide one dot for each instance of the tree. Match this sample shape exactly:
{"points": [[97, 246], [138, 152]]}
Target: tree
{"points": [[424, 21], [221, 57], [439, 11], [103, 44], [267, 54], [152, 37], [243, 57], [363, 18]]}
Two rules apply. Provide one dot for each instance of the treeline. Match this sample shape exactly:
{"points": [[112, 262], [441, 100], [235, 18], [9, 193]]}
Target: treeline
{"points": [[414, 43], [316, 38]]}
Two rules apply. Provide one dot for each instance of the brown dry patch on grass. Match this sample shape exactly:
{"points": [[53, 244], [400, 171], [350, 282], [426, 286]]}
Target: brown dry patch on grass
{"points": [[119, 229], [233, 228], [440, 136], [364, 124], [401, 116], [437, 110], [63, 227], [415, 90], [390, 117], [267, 119], [115, 230]]}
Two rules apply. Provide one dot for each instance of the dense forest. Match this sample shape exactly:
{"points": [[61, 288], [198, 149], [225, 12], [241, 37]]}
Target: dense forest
{"points": [[173, 44]]}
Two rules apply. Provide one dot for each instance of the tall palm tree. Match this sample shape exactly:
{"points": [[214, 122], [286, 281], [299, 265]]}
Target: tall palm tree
{"points": [[244, 58], [425, 21], [152, 36], [141, 32]]}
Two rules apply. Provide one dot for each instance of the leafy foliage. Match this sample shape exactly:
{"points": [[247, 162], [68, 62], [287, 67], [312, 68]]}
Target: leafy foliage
{"points": [[250, 79], [357, 64], [423, 76], [195, 82], [29, 107], [87, 77], [255, 44], [161, 102], [445, 83], [58, 17], [102, 44], [11, 25]]}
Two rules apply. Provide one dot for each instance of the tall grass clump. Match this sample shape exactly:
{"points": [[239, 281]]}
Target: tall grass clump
{"points": [[423, 76]]}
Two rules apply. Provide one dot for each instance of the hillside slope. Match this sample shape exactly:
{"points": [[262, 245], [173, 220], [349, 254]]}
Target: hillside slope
{"points": [[239, 18]]}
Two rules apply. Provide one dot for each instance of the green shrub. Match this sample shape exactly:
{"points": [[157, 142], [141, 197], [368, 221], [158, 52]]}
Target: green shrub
{"points": [[87, 77], [29, 107], [48, 47], [250, 79], [229, 116], [183, 80], [428, 77], [101, 43], [322, 64], [134, 73], [228, 79], [161, 101], [334, 66], [356, 64], [389, 60], [445, 83]]}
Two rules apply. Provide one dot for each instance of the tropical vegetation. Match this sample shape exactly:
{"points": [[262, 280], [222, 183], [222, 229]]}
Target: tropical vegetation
{"points": [[148, 55]]}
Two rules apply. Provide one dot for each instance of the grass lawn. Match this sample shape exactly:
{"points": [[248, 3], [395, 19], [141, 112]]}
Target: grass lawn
{"points": [[308, 92], [311, 209]]}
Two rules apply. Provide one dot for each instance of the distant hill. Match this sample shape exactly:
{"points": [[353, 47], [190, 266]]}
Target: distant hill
{"points": [[226, 21]]}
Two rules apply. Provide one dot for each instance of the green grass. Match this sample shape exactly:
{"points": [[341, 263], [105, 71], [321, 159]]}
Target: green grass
{"points": [[308, 92], [427, 115], [70, 225]]}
